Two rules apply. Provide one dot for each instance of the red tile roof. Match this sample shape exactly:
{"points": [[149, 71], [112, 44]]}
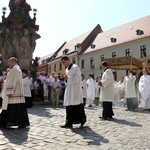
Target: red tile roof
{"points": [[70, 45]]}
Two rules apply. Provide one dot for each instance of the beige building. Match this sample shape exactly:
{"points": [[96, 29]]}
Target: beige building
{"points": [[89, 49], [130, 39]]}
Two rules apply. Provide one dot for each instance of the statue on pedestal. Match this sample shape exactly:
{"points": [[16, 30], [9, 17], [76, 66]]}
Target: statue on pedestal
{"points": [[18, 34]]}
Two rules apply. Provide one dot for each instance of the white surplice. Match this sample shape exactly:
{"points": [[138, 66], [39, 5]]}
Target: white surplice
{"points": [[84, 88], [129, 86], [144, 89], [73, 91], [90, 91]]}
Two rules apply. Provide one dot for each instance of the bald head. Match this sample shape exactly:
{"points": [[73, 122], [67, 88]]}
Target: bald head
{"points": [[12, 61]]}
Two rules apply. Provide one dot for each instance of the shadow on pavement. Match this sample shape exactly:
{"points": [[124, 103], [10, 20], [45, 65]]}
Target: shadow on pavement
{"points": [[16, 136], [125, 122], [140, 110], [88, 134], [43, 110], [40, 111]]}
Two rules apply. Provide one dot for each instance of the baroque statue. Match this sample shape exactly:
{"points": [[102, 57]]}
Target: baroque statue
{"points": [[18, 34]]}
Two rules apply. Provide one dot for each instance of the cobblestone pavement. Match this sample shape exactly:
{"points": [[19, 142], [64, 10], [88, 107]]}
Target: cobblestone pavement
{"points": [[128, 131]]}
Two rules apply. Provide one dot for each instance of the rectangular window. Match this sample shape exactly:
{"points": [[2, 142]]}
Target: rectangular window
{"points": [[60, 66], [55, 67], [102, 57], [73, 60], [114, 54], [65, 51], [127, 52], [50, 69], [143, 51], [82, 63], [91, 61]]}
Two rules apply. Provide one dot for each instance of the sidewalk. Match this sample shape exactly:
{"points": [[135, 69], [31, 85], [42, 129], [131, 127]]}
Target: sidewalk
{"points": [[128, 131]]}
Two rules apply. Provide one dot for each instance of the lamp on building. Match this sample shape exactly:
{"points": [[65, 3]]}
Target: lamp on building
{"points": [[4, 11], [34, 14]]}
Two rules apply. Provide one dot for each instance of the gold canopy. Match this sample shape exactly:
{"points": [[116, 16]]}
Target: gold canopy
{"points": [[124, 63]]}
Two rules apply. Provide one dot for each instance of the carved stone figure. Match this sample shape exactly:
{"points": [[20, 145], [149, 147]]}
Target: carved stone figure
{"points": [[18, 34]]}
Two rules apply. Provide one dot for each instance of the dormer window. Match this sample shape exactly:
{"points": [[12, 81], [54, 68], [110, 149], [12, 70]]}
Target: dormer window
{"points": [[65, 51], [113, 40], [139, 32], [43, 61], [93, 46], [77, 46], [54, 55]]}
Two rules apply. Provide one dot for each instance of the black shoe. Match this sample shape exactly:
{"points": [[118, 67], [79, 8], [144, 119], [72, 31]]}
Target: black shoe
{"points": [[82, 123], [127, 109], [21, 126], [66, 126], [110, 118], [145, 109], [103, 118]]}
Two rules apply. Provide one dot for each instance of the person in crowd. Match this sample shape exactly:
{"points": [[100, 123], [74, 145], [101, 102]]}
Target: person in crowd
{"points": [[40, 90], [63, 86], [42, 76], [97, 91], [2, 79], [144, 89], [27, 84], [90, 91], [73, 99], [107, 91], [84, 88], [29, 75], [35, 85], [14, 112], [51, 78], [130, 92], [56, 86], [46, 84], [119, 92]]}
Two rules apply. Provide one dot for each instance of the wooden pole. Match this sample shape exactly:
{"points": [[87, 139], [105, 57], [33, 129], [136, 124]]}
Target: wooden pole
{"points": [[131, 63]]}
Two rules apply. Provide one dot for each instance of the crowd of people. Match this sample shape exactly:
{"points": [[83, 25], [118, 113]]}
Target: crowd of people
{"points": [[19, 89]]}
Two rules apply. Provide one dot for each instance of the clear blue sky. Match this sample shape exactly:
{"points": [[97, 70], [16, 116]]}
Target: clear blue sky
{"points": [[63, 20]]}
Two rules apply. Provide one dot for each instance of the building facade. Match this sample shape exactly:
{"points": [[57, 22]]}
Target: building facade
{"points": [[91, 48]]}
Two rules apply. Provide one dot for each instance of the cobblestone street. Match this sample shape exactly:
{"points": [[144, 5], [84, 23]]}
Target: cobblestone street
{"points": [[127, 131]]}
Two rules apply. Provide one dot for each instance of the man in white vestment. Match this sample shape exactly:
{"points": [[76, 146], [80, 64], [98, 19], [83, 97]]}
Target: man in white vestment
{"points": [[107, 91], [14, 111], [27, 84], [144, 89], [130, 92], [73, 99], [84, 88], [90, 91]]}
